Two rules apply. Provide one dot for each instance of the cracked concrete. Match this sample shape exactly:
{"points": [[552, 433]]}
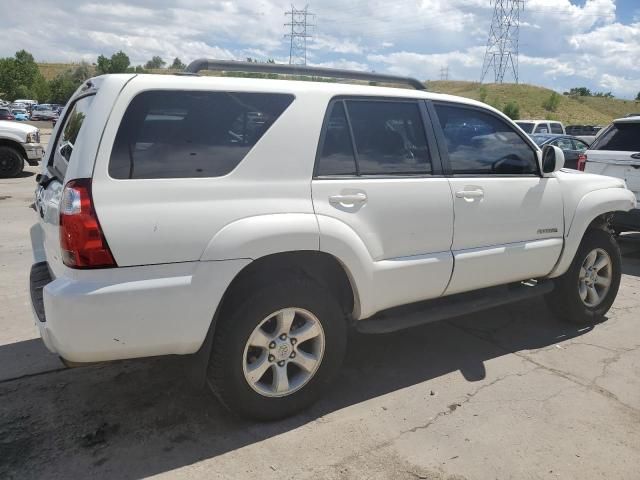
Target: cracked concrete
{"points": [[507, 393]]}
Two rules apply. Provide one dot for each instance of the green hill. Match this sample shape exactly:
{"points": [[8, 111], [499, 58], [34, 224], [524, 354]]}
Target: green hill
{"points": [[571, 110]]}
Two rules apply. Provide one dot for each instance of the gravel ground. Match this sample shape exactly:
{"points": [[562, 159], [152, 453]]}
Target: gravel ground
{"points": [[507, 393]]}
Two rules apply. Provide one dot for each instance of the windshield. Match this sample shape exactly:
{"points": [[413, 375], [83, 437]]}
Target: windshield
{"points": [[526, 126]]}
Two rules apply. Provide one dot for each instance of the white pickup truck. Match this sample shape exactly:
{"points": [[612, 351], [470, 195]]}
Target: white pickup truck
{"points": [[254, 221], [18, 143]]}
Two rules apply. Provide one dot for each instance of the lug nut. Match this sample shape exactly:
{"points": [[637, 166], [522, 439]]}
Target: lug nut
{"points": [[293, 341], [293, 355], [283, 336], [272, 345], [281, 363], [271, 358]]}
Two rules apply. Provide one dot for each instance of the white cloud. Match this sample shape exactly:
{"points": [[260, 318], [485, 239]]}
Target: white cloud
{"points": [[562, 43]]}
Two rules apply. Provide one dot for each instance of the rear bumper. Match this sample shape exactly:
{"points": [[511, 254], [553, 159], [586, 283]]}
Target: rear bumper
{"points": [[627, 221], [111, 314]]}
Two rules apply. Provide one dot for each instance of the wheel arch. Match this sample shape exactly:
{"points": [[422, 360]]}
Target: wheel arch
{"points": [[593, 211], [6, 142]]}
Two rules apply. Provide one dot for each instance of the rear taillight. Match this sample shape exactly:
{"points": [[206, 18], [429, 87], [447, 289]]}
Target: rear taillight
{"points": [[582, 161], [81, 239]]}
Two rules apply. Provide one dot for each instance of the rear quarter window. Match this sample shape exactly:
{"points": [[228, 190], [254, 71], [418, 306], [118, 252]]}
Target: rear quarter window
{"points": [[187, 134], [68, 134]]}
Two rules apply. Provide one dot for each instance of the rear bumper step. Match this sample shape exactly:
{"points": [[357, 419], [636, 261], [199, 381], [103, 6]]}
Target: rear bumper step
{"points": [[420, 313]]}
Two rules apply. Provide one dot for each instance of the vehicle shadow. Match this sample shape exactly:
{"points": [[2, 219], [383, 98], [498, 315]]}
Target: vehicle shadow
{"points": [[25, 174], [630, 248], [148, 416]]}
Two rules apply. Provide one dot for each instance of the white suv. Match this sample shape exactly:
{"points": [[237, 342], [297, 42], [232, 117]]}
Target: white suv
{"points": [[254, 221], [541, 126]]}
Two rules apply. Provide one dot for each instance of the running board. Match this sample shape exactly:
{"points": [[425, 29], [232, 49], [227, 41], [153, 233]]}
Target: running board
{"points": [[415, 314]]}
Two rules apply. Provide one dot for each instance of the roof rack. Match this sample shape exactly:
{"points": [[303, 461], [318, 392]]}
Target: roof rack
{"points": [[251, 67]]}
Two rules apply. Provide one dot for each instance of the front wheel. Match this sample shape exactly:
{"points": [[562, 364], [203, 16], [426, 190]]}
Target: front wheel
{"points": [[11, 162], [276, 348], [585, 293]]}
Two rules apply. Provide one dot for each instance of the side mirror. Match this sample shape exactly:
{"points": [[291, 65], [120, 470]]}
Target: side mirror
{"points": [[552, 159]]}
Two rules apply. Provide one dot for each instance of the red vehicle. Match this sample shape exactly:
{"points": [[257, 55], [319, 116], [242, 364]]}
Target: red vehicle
{"points": [[5, 114]]}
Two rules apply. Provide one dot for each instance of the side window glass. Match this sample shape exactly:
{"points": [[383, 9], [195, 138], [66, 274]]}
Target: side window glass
{"points": [[188, 134], [389, 137], [69, 132], [480, 143], [542, 128], [556, 128], [563, 143], [580, 146], [336, 154]]}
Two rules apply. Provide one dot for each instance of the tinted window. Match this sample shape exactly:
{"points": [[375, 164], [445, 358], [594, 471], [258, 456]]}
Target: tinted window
{"points": [[556, 128], [540, 139], [389, 137], [69, 132], [177, 134], [563, 143], [526, 126], [336, 155], [620, 136], [542, 128], [579, 145], [480, 143]]}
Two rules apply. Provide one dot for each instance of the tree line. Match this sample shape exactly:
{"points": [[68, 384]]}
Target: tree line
{"points": [[20, 76]]}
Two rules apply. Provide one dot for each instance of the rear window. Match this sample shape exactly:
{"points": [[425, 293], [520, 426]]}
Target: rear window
{"points": [[623, 137], [526, 126], [187, 134]]}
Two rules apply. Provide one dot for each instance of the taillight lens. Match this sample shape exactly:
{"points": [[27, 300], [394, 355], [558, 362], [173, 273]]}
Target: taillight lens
{"points": [[81, 239], [582, 161]]}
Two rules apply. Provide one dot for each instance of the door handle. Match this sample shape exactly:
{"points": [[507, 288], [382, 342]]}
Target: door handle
{"points": [[470, 194], [635, 156], [348, 199]]}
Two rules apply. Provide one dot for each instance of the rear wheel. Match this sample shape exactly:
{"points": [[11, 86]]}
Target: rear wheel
{"points": [[585, 293], [11, 162], [276, 350]]}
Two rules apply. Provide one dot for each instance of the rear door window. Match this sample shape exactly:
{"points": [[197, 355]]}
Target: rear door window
{"points": [[187, 134], [542, 128], [623, 137], [389, 137], [579, 145], [336, 154], [68, 134], [526, 126], [556, 128]]}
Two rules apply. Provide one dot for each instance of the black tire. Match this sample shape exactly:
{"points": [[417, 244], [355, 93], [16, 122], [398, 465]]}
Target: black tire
{"points": [[11, 162], [565, 301], [241, 315]]}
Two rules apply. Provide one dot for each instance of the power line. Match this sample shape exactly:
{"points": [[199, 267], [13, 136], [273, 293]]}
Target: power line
{"points": [[298, 34], [502, 45], [444, 73]]}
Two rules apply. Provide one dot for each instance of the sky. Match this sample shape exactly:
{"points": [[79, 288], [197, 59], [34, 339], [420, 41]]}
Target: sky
{"points": [[563, 43]]}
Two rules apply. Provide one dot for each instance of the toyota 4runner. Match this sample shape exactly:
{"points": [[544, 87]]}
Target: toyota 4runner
{"points": [[254, 221]]}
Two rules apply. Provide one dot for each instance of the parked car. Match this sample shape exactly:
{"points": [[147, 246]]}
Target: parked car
{"points": [[18, 143], [20, 114], [5, 114], [26, 102], [572, 147], [278, 214], [541, 126], [42, 112], [616, 153]]}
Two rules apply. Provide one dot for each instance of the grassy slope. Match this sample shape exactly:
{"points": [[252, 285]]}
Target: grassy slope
{"points": [[584, 110], [581, 110]]}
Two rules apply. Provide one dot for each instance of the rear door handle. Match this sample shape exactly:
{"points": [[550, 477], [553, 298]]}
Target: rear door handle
{"points": [[348, 199], [470, 194], [636, 156]]}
